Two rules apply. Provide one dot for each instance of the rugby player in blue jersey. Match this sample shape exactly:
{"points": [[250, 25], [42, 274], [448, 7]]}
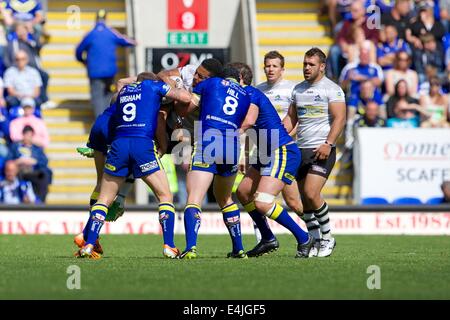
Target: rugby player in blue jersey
{"points": [[100, 138], [223, 105], [133, 151], [278, 159]]}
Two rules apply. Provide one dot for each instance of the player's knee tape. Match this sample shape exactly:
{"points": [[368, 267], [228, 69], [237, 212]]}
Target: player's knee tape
{"points": [[264, 197]]}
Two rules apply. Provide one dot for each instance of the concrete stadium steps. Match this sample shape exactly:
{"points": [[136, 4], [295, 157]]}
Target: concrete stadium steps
{"points": [[291, 27], [69, 124]]}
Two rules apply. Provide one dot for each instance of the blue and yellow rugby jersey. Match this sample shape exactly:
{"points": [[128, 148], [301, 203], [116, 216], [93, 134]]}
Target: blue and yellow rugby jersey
{"points": [[223, 105], [138, 105], [268, 122]]}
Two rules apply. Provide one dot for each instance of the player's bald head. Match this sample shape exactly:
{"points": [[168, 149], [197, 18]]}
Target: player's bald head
{"points": [[146, 76]]}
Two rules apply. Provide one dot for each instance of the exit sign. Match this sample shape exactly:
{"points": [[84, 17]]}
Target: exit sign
{"points": [[187, 38], [187, 22]]}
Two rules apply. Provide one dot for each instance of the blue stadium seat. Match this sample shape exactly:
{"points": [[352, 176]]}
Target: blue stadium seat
{"points": [[437, 200], [374, 200], [407, 200]]}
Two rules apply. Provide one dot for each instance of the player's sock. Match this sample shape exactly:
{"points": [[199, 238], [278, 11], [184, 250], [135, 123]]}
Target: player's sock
{"points": [[167, 221], [280, 215], [321, 215], [92, 201], [231, 217], [98, 214], [192, 220], [260, 220], [312, 224]]}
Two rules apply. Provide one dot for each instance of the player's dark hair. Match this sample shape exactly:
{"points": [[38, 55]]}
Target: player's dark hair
{"points": [[230, 72], [318, 53], [213, 66], [245, 72], [146, 76], [274, 55]]}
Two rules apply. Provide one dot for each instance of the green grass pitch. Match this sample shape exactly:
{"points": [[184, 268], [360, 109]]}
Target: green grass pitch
{"points": [[35, 267]]}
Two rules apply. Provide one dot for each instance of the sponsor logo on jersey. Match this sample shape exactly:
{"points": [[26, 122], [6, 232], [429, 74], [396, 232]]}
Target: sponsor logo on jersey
{"points": [[320, 169], [166, 87], [149, 166], [289, 176], [278, 98], [110, 167], [225, 83], [200, 164], [317, 98]]}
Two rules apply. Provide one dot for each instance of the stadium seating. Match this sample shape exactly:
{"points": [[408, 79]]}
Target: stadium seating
{"points": [[437, 200], [374, 200], [406, 201]]}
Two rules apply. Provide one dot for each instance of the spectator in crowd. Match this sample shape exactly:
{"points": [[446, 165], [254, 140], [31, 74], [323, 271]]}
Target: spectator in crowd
{"points": [[400, 93], [359, 42], [4, 135], [445, 186], [22, 81], [423, 24], [368, 93], [399, 16], [12, 189], [41, 137], [431, 54], [387, 49], [344, 38], [338, 10], [97, 51], [436, 105], [371, 117], [354, 74], [444, 13], [21, 39], [29, 12], [402, 71], [405, 115], [430, 73], [32, 163]]}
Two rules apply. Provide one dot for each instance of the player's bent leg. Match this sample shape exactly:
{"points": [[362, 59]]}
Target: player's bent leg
{"points": [[99, 160], [109, 187], [159, 184], [268, 188], [313, 186], [245, 193], [197, 183], [222, 188], [117, 208], [291, 196]]}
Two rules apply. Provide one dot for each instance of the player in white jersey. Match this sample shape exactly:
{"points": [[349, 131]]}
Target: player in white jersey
{"points": [[279, 91], [319, 109]]}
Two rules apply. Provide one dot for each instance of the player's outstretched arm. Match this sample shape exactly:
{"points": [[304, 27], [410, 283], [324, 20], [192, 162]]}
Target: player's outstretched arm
{"points": [[290, 120], [179, 95]]}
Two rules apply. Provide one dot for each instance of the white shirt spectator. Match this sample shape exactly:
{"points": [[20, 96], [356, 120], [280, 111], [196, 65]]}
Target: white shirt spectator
{"points": [[24, 82], [14, 192]]}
